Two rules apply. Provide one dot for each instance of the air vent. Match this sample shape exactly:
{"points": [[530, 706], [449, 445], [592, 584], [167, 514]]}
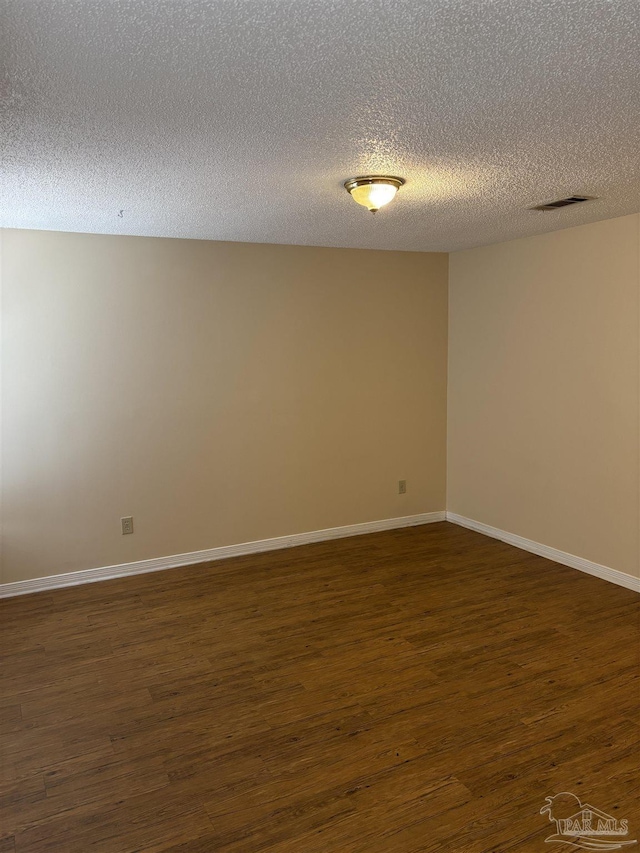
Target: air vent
{"points": [[563, 202]]}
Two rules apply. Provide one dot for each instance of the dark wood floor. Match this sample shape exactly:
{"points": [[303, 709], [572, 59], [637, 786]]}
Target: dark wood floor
{"points": [[418, 690]]}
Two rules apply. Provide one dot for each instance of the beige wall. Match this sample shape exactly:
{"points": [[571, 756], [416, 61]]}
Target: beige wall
{"points": [[223, 393], [543, 389], [218, 392]]}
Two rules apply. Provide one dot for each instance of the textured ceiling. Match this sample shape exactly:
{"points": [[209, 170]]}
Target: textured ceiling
{"points": [[240, 119]]}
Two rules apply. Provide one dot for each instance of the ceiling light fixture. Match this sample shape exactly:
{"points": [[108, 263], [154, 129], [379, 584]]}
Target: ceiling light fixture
{"points": [[373, 191]]}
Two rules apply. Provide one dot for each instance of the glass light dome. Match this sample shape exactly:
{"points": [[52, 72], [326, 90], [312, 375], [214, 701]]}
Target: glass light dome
{"points": [[373, 191]]}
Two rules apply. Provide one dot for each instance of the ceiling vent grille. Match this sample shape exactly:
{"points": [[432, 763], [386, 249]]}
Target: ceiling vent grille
{"points": [[563, 202]]}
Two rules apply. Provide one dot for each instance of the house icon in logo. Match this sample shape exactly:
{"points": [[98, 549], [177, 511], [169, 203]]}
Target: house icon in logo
{"points": [[584, 826]]}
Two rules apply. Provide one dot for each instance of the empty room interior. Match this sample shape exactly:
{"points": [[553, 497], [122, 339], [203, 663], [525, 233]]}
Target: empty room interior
{"points": [[320, 426]]}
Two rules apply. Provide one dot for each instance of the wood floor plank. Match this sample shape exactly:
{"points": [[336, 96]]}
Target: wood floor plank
{"points": [[408, 691]]}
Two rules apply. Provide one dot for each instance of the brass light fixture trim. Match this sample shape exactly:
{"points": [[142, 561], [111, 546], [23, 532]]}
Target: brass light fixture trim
{"points": [[373, 191]]}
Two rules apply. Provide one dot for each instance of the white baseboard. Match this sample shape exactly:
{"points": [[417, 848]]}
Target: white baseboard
{"points": [[604, 572], [157, 564], [140, 567]]}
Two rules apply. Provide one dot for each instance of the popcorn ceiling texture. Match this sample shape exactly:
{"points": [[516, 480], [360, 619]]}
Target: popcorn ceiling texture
{"points": [[240, 119]]}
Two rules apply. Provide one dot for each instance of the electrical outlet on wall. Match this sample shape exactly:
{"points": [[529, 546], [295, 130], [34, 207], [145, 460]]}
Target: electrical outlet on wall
{"points": [[127, 525], [402, 487]]}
